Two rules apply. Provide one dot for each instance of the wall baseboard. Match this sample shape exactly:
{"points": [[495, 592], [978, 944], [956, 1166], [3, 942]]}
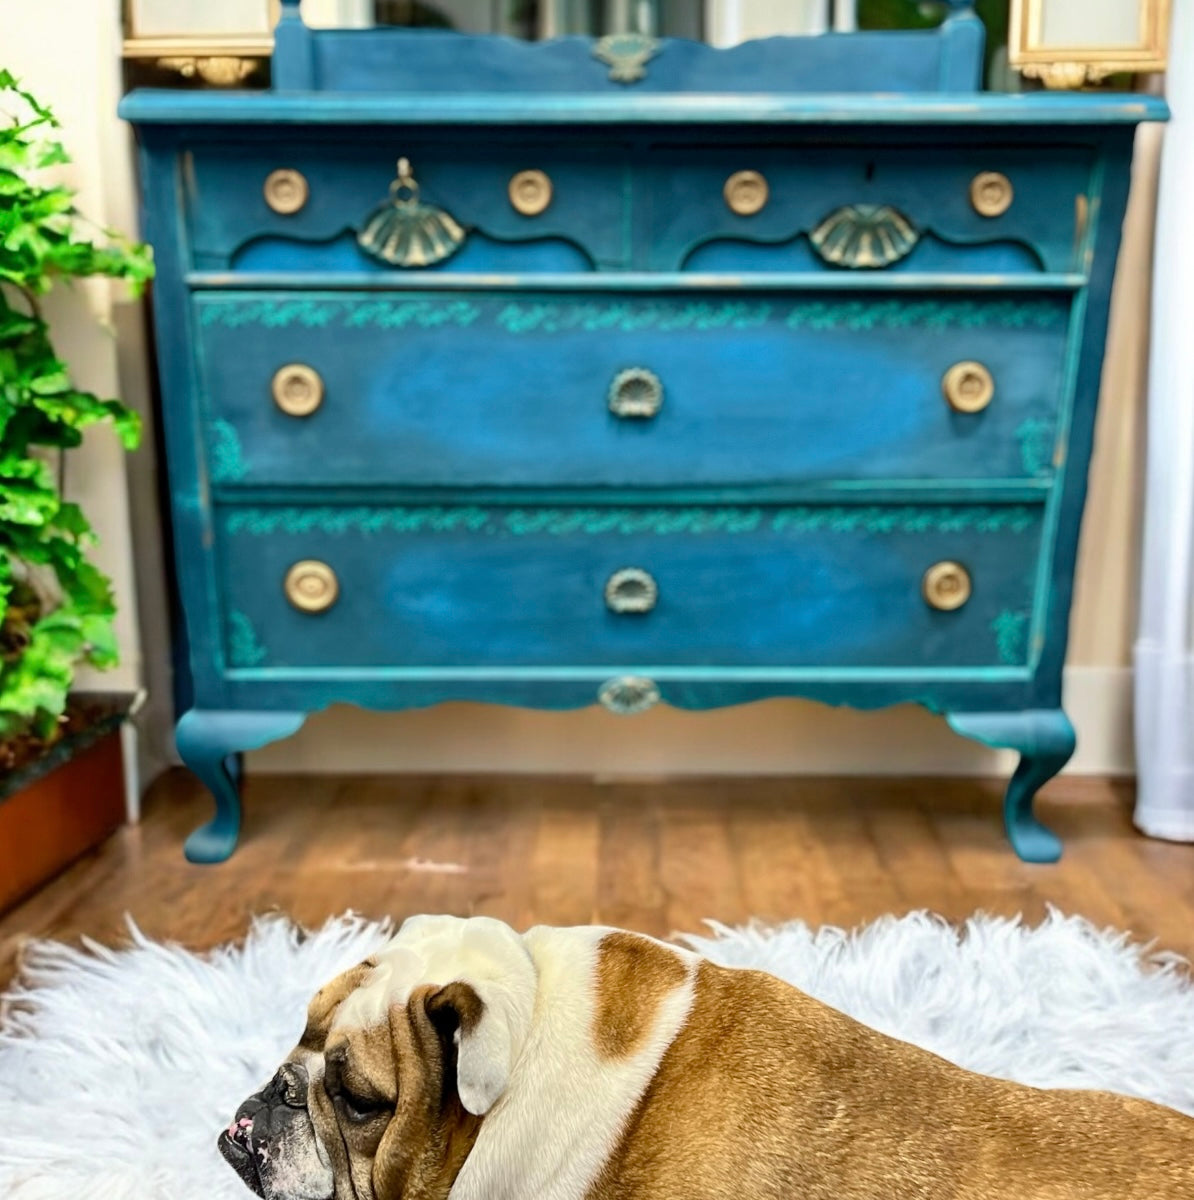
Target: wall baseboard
{"points": [[772, 737]]}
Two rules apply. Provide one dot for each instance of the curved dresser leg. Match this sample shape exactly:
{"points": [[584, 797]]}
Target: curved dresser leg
{"points": [[210, 744], [1045, 739]]}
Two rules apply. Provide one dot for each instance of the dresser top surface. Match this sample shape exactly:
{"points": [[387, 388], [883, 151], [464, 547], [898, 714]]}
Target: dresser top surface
{"points": [[165, 106]]}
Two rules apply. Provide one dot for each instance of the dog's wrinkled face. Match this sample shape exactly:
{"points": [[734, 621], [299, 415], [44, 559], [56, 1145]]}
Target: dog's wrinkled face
{"points": [[383, 1096]]}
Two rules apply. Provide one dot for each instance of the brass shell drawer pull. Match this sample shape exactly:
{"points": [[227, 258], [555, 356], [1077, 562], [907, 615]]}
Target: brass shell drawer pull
{"points": [[311, 586], [631, 590], [286, 191], [991, 193], [628, 694], [530, 192], [746, 193], [297, 389], [968, 386], [636, 393], [946, 586]]}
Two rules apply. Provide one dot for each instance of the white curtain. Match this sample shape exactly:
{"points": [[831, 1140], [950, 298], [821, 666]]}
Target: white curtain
{"points": [[1165, 646]]}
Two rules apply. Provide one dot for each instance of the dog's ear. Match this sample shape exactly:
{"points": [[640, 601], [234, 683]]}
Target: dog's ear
{"points": [[484, 1043]]}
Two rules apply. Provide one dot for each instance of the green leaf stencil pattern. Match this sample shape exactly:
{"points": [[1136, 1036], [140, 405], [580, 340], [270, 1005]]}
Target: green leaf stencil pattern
{"points": [[244, 647], [563, 522], [1011, 636], [552, 314], [226, 463], [1036, 445]]}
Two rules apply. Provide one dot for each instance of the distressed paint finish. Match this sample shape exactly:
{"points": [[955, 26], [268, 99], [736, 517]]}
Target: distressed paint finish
{"points": [[464, 476], [785, 388]]}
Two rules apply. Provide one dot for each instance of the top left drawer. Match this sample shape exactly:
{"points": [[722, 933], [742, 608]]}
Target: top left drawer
{"points": [[527, 206]]}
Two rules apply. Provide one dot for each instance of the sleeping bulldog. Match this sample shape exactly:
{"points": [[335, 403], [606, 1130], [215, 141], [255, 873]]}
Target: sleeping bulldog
{"points": [[470, 1061]]}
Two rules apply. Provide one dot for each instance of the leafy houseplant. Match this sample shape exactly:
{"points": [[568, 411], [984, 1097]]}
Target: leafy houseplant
{"points": [[57, 607]]}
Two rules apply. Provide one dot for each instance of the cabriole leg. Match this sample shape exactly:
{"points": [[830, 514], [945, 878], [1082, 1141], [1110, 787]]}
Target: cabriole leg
{"points": [[1045, 740], [210, 744]]}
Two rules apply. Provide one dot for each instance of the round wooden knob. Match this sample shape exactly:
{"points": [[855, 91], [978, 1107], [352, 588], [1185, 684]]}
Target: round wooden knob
{"points": [[968, 386], [946, 586], [991, 194], [746, 192], [635, 393], [530, 192], [286, 191], [312, 586], [297, 389], [631, 590]]}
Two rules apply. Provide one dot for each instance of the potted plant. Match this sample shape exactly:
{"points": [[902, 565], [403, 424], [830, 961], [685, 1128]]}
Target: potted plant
{"points": [[56, 607]]}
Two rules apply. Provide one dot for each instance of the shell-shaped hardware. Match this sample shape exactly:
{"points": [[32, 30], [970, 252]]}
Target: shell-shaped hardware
{"points": [[866, 236], [530, 192], [746, 193], [297, 389], [311, 586], [285, 191], [946, 586], [631, 590], [635, 393], [628, 694], [968, 386], [991, 193], [405, 232], [626, 55]]}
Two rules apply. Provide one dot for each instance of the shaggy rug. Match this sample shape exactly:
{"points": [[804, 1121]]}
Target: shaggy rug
{"points": [[118, 1068]]}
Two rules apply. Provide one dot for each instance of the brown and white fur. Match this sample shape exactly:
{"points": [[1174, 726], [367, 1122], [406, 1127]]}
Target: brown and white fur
{"points": [[468, 1061]]}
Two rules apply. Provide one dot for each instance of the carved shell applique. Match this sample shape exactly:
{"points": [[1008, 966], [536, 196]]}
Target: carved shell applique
{"points": [[404, 232], [864, 236], [626, 55]]}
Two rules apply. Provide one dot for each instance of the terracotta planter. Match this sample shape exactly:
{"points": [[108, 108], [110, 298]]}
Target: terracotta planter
{"points": [[64, 803]]}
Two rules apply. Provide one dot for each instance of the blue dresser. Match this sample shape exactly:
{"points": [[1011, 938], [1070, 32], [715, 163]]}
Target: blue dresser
{"points": [[629, 372]]}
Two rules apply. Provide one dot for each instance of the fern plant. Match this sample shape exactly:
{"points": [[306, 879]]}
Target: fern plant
{"points": [[57, 605]]}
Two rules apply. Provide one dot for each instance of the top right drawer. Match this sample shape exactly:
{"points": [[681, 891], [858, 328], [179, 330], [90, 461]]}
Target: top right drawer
{"points": [[941, 209]]}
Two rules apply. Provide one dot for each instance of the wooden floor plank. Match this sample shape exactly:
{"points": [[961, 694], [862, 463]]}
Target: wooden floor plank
{"points": [[659, 856]]}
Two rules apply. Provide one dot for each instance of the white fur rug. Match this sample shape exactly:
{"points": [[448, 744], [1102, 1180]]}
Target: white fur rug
{"points": [[118, 1069]]}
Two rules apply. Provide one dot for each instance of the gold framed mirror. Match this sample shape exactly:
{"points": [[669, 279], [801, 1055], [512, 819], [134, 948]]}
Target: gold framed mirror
{"points": [[1068, 43]]}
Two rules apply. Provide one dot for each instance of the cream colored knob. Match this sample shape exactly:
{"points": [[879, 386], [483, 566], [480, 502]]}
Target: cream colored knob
{"points": [[631, 590], [297, 389], [286, 191], [991, 194], [746, 192], [312, 586], [530, 192], [968, 386], [946, 586]]}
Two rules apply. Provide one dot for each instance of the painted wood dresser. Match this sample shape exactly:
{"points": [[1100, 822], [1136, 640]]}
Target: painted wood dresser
{"points": [[629, 372]]}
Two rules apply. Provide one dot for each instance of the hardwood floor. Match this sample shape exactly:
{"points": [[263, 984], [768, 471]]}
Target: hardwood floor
{"points": [[653, 855]]}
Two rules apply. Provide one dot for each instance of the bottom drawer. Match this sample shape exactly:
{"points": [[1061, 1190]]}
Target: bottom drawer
{"points": [[855, 586]]}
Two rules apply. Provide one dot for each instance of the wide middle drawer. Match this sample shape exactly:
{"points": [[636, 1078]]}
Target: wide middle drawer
{"points": [[422, 388]]}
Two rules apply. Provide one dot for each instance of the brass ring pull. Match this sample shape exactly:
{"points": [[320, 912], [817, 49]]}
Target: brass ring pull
{"points": [[746, 193], [968, 386], [628, 694], [285, 191], [991, 193], [297, 389], [311, 586], [530, 192], [631, 590], [946, 586], [635, 392]]}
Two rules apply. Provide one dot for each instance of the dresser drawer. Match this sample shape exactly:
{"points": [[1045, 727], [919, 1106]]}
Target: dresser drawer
{"points": [[471, 389], [960, 208], [525, 204], [628, 587]]}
